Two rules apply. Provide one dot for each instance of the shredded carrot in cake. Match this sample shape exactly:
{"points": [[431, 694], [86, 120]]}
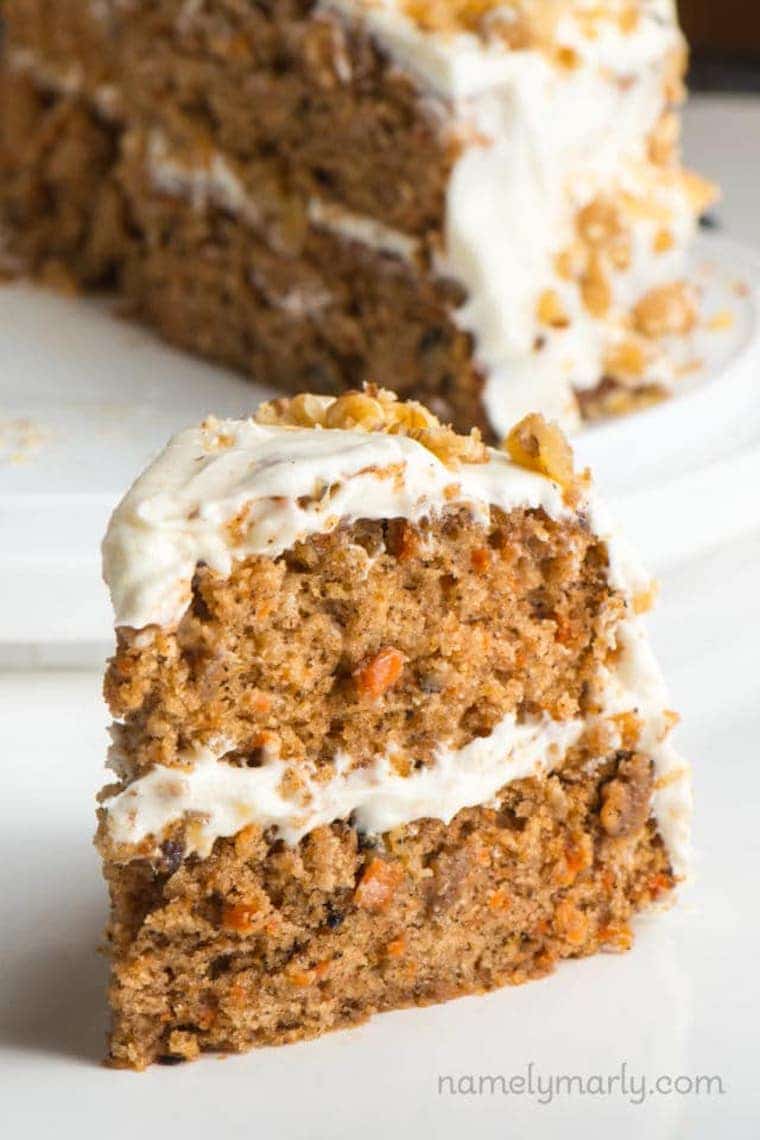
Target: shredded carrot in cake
{"points": [[380, 673]]}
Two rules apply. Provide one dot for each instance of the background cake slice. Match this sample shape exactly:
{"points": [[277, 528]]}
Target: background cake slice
{"points": [[481, 205], [388, 729]]}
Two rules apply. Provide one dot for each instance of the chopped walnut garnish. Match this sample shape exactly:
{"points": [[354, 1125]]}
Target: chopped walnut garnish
{"points": [[356, 410], [522, 25], [304, 410], [627, 361], [601, 226], [701, 193], [614, 398], [629, 726], [664, 139], [595, 288], [519, 24], [550, 310], [644, 600], [667, 310], [376, 410], [663, 240], [542, 447], [626, 799], [570, 263], [721, 321]]}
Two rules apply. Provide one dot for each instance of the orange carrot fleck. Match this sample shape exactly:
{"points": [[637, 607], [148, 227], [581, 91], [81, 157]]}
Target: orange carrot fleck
{"points": [[377, 885], [659, 884], [616, 937], [240, 917], [480, 559], [499, 900], [380, 673], [300, 978], [570, 922]]}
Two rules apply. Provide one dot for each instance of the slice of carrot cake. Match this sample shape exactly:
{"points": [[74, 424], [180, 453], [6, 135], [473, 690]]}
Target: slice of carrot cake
{"points": [[388, 729], [479, 203]]}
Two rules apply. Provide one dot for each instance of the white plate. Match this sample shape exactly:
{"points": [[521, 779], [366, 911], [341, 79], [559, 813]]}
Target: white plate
{"points": [[86, 399], [682, 1004]]}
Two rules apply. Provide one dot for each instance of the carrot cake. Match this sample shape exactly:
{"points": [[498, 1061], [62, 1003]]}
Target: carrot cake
{"points": [[478, 203], [388, 727]]}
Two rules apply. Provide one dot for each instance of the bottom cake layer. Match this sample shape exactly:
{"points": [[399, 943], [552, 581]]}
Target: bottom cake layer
{"points": [[261, 943]]}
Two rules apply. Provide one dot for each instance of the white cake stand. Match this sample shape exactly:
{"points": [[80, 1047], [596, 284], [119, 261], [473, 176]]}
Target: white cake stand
{"points": [[86, 399]]}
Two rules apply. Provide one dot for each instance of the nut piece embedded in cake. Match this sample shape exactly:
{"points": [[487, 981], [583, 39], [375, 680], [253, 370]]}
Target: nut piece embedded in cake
{"points": [[374, 705]]}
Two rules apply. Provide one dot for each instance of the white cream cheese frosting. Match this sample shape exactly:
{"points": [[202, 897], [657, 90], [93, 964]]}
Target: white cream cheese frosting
{"points": [[222, 798], [376, 797], [545, 140], [277, 485], [281, 485]]}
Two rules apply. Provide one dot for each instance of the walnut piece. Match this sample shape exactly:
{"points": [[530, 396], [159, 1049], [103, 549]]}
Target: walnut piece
{"points": [[376, 409], [540, 446], [666, 311], [626, 799], [550, 310]]}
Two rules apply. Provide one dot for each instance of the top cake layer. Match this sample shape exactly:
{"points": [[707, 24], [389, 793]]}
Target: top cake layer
{"points": [[231, 489]]}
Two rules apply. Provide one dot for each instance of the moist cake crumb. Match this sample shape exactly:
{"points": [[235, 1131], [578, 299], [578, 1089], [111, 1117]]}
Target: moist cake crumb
{"points": [[384, 741]]}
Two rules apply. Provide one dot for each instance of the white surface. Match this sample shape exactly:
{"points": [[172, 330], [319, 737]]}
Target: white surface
{"points": [[87, 382], [683, 1002], [722, 142]]}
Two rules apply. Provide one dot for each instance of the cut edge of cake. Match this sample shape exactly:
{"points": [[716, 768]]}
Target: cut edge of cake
{"points": [[239, 830]]}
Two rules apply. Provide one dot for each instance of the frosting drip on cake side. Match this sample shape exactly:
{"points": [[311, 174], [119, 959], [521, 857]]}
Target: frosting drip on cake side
{"points": [[550, 127]]}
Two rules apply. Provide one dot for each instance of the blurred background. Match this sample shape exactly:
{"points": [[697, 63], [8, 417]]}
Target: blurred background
{"points": [[725, 41]]}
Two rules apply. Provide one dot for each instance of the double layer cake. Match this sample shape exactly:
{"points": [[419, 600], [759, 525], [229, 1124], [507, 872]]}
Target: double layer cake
{"points": [[388, 728], [478, 203]]}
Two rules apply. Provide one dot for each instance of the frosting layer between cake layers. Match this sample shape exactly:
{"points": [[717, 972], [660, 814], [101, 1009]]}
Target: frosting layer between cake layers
{"points": [[224, 798], [231, 489]]}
